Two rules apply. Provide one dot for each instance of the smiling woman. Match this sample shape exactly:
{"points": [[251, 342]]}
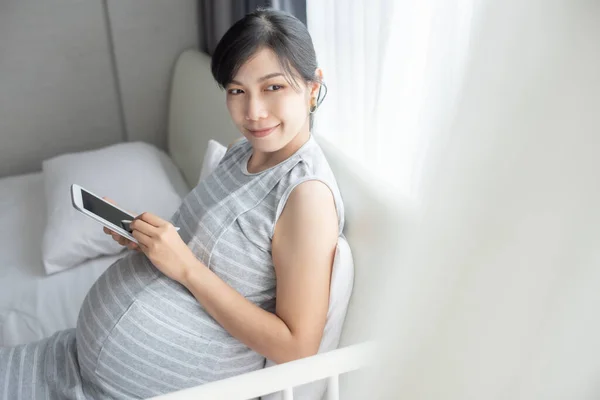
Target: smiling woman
{"points": [[273, 82], [270, 112], [246, 281]]}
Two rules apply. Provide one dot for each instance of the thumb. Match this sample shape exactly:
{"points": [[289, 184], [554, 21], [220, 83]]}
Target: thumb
{"points": [[109, 200]]}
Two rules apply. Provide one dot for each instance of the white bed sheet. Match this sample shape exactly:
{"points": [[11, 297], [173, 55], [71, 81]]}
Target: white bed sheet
{"points": [[34, 305]]}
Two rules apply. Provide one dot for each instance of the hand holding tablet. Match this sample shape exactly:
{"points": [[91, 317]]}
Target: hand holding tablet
{"points": [[115, 219], [125, 224]]}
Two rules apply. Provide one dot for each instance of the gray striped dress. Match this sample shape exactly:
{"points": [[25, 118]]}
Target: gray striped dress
{"points": [[140, 334]]}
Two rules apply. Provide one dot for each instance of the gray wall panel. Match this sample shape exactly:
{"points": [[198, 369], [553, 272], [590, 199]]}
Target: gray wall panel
{"points": [[148, 36], [57, 91]]}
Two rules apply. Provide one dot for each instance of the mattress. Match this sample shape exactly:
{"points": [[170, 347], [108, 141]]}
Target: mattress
{"points": [[34, 305]]}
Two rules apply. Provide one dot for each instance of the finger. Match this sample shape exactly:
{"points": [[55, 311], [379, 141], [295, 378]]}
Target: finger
{"points": [[116, 236], [109, 200], [144, 227], [151, 219], [143, 239], [120, 239], [142, 247]]}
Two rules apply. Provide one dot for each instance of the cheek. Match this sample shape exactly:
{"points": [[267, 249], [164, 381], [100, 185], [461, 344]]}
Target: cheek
{"points": [[292, 110], [235, 111]]}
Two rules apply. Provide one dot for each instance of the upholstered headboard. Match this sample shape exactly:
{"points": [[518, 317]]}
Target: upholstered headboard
{"points": [[197, 113]]}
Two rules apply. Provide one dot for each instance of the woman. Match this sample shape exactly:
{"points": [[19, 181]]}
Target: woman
{"points": [[198, 305]]}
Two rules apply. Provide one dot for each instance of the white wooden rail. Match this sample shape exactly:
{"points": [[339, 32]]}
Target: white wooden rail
{"points": [[283, 377]]}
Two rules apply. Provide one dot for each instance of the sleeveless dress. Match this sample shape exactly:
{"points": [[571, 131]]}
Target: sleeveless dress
{"points": [[141, 334]]}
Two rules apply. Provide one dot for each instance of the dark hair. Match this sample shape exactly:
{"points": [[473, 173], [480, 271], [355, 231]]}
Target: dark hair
{"points": [[268, 28]]}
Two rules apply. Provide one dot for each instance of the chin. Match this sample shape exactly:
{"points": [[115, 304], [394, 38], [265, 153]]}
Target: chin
{"points": [[266, 145], [269, 144]]}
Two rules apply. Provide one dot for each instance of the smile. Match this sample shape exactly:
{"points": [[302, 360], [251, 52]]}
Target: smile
{"points": [[263, 132]]}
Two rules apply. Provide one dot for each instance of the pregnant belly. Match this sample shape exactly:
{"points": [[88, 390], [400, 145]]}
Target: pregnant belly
{"points": [[108, 299], [143, 334]]}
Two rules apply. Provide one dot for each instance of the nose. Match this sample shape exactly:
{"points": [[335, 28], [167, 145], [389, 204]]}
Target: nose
{"points": [[255, 109]]}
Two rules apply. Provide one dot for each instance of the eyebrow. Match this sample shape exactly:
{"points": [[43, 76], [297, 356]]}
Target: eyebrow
{"points": [[264, 78]]}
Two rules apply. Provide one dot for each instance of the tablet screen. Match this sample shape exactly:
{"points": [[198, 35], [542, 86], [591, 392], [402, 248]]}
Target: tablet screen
{"points": [[103, 209]]}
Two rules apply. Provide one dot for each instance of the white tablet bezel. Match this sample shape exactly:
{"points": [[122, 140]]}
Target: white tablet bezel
{"points": [[77, 200]]}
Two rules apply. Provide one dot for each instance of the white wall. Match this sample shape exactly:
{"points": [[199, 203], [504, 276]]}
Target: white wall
{"points": [[56, 83], [78, 75], [148, 37]]}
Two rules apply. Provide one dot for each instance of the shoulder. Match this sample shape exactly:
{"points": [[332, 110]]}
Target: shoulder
{"points": [[310, 187], [310, 207], [309, 193]]}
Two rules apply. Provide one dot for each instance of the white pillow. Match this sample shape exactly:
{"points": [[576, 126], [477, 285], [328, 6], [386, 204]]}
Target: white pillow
{"points": [[342, 282], [213, 155], [137, 176]]}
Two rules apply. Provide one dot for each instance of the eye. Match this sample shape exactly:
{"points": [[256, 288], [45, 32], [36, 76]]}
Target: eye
{"points": [[274, 88], [234, 91]]}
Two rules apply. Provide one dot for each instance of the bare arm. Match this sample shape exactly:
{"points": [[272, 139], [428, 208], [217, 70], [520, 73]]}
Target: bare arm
{"points": [[303, 248]]}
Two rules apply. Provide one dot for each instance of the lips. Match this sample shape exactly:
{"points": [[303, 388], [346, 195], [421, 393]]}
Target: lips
{"points": [[262, 132]]}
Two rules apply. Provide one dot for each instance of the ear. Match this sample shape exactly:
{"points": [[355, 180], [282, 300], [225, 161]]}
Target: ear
{"points": [[314, 89]]}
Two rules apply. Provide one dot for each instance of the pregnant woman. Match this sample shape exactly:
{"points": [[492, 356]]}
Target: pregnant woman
{"points": [[246, 278]]}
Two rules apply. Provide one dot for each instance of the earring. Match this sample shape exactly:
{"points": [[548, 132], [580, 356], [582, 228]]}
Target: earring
{"points": [[313, 108]]}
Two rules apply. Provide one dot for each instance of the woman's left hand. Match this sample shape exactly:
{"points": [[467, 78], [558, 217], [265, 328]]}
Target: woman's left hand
{"points": [[161, 243]]}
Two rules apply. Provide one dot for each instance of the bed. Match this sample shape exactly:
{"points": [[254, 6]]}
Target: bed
{"points": [[34, 304]]}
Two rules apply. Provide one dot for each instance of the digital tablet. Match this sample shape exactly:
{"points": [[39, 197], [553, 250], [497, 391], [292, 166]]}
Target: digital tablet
{"points": [[102, 211]]}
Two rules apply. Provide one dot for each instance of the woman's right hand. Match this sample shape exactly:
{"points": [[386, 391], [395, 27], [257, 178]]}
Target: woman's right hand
{"points": [[123, 241]]}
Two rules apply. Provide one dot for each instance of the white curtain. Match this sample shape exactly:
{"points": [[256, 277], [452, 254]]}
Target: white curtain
{"points": [[498, 296], [392, 68]]}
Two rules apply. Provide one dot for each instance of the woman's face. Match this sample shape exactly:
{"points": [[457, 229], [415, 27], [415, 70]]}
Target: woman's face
{"points": [[264, 107]]}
